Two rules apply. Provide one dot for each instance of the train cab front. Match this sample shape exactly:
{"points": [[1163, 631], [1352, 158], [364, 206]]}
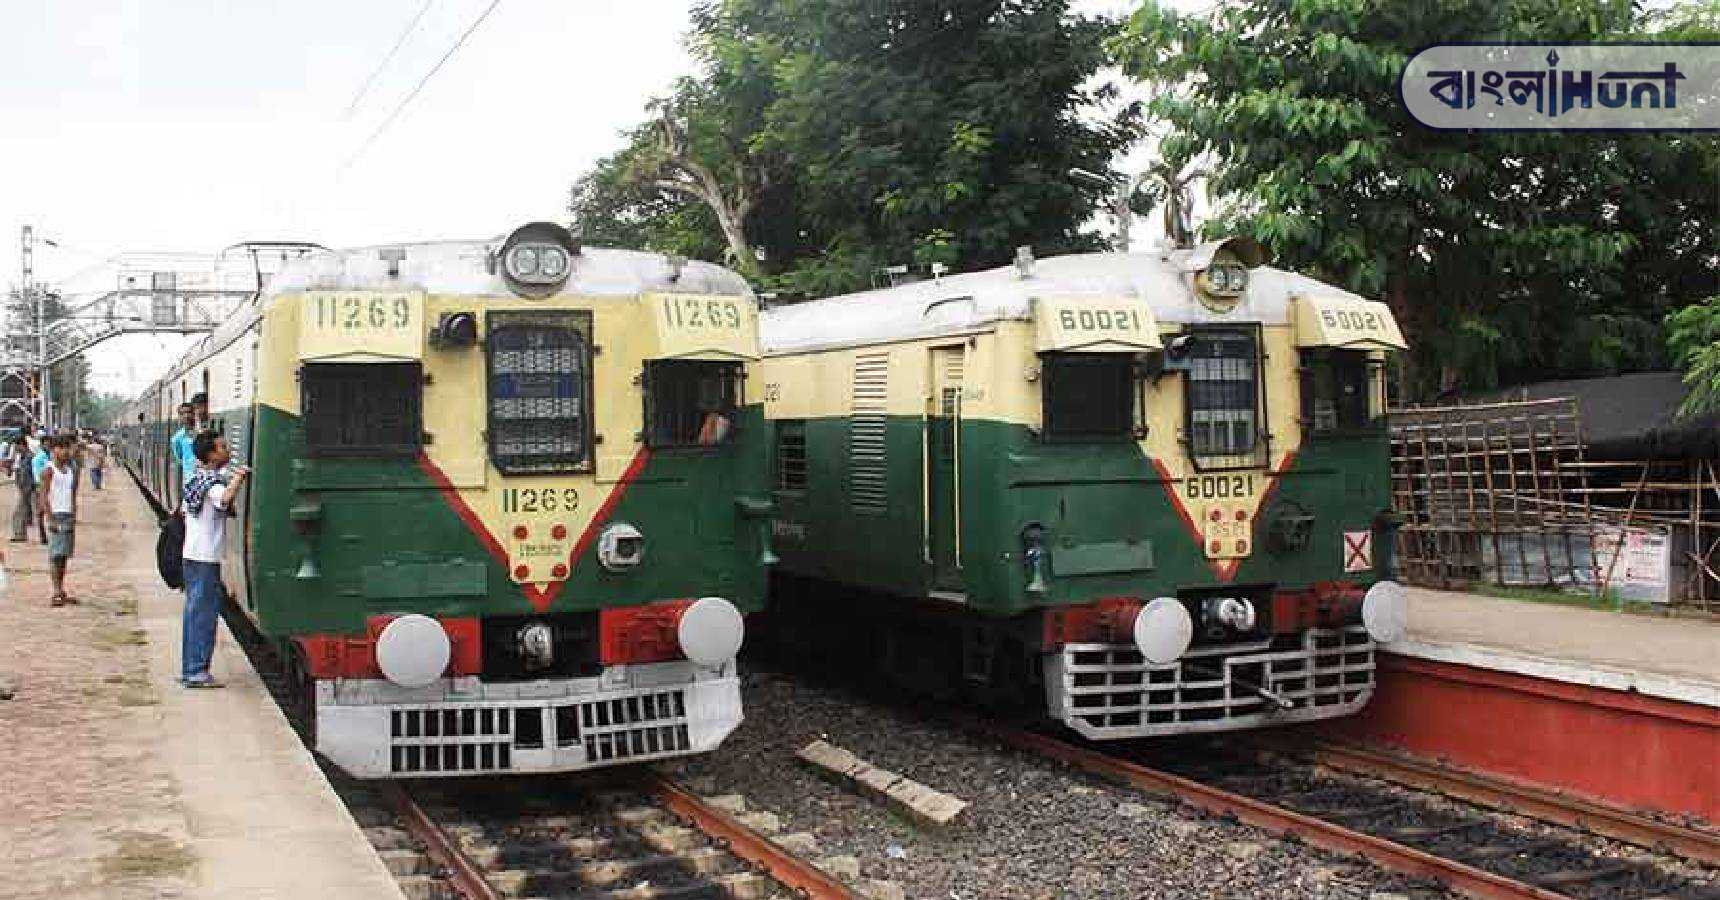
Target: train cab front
{"points": [[1229, 565], [513, 531]]}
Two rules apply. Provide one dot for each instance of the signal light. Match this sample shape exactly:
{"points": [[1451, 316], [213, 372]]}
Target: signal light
{"points": [[520, 532], [1215, 515], [1242, 546], [559, 532], [1216, 547], [522, 571], [1241, 516], [560, 571]]}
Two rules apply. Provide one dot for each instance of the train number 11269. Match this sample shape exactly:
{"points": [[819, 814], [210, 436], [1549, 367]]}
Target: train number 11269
{"points": [[539, 500]]}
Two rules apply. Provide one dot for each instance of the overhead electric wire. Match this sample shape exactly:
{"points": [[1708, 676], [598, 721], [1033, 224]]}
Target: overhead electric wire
{"points": [[398, 42], [421, 82]]}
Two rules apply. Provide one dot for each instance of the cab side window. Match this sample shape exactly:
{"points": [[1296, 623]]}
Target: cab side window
{"points": [[361, 409], [1335, 390], [690, 403], [1088, 396]]}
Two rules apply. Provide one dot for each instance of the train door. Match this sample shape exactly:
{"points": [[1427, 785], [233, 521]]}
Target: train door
{"points": [[943, 469]]}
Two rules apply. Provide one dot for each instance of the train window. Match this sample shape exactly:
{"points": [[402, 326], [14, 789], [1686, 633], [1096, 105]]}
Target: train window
{"points": [[361, 409], [690, 403], [1335, 390], [1088, 395], [791, 455], [540, 391], [1223, 397]]}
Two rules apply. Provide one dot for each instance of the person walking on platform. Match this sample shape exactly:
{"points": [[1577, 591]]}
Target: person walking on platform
{"points": [[24, 478], [38, 464], [209, 501], [181, 442], [98, 460], [58, 502]]}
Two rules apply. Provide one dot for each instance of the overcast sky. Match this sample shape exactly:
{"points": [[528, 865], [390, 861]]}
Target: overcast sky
{"points": [[189, 125]]}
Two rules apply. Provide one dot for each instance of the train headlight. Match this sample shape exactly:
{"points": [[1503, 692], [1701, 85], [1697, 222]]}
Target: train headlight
{"points": [[710, 631], [1385, 611], [536, 259], [413, 650], [523, 263], [1238, 279], [1218, 278], [1162, 630]]}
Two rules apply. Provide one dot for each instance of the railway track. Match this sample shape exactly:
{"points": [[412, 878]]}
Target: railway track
{"points": [[1469, 850], [620, 834], [630, 837]]}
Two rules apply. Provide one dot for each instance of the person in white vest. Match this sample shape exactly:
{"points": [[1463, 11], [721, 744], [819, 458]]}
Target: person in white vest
{"points": [[57, 500]]}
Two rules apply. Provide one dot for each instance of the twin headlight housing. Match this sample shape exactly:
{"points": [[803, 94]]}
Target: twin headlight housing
{"points": [[536, 259], [1226, 278]]}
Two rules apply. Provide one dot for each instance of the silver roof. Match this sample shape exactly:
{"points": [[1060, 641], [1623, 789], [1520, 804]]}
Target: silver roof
{"points": [[460, 267], [977, 300]]}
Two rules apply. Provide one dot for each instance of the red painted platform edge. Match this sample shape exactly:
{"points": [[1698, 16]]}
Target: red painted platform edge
{"points": [[1619, 747]]}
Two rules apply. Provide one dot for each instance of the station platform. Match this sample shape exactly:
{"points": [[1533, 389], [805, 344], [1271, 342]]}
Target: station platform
{"points": [[1622, 709], [1671, 658], [205, 793]]}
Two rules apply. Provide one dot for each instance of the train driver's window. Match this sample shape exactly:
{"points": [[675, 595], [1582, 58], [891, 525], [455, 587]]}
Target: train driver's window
{"points": [[540, 391], [1335, 390], [689, 402], [1223, 397], [1088, 396], [361, 409]]}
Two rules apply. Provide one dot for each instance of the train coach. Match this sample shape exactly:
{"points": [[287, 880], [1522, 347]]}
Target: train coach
{"points": [[509, 497], [1148, 493]]}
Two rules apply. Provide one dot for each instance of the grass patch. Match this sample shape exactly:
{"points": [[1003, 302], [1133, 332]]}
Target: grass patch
{"points": [[140, 854], [1608, 601], [121, 637]]}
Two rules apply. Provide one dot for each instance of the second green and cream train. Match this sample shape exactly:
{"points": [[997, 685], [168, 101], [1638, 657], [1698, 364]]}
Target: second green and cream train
{"points": [[1148, 491]]}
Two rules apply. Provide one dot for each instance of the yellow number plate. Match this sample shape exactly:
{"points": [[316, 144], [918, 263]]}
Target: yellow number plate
{"points": [[1092, 324], [335, 324], [693, 325]]}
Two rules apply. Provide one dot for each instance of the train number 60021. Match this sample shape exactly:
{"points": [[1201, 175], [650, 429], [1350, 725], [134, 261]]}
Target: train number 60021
{"points": [[1219, 487]]}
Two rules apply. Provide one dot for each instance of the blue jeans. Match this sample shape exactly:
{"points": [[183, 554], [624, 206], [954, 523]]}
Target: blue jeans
{"points": [[203, 594], [96, 477]]}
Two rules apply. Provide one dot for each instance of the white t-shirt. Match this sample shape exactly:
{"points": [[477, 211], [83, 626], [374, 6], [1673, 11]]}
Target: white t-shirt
{"points": [[207, 531]]}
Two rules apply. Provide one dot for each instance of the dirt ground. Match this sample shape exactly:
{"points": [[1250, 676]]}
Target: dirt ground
{"points": [[86, 809]]}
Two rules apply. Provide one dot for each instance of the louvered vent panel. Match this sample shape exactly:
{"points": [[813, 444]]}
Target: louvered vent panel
{"points": [[867, 465]]}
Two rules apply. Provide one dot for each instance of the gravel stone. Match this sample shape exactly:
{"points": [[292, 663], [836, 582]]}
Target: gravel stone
{"points": [[845, 867], [1035, 830]]}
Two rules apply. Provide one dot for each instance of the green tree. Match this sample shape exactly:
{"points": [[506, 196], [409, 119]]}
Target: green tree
{"points": [[845, 135], [1693, 335], [1506, 256]]}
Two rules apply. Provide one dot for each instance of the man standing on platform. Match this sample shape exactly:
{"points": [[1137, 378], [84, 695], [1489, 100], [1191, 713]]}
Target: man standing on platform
{"points": [[97, 459], [180, 444], [58, 501], [209, 501], [24, 478]]}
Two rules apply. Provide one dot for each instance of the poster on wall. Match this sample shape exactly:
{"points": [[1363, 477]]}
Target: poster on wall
{"points": [[1640, 560]]}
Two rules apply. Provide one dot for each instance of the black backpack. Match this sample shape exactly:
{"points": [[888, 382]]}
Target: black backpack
{"points": [[170, 551]]}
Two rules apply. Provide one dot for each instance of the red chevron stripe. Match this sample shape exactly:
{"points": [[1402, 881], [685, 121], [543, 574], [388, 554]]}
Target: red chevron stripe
{"points": [[540, 598]]}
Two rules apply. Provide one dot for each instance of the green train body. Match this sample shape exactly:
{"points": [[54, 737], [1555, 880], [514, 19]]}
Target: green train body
{"points": [[499, 525], [1100, 483]]}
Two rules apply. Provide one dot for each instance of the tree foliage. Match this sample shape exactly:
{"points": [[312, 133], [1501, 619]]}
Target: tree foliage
{"points": [[847, 135], [1693, 336], [1507, 256]]}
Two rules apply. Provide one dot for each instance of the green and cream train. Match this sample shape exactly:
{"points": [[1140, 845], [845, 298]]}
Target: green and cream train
{"points": [[1148, 492], [510, 499]]}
